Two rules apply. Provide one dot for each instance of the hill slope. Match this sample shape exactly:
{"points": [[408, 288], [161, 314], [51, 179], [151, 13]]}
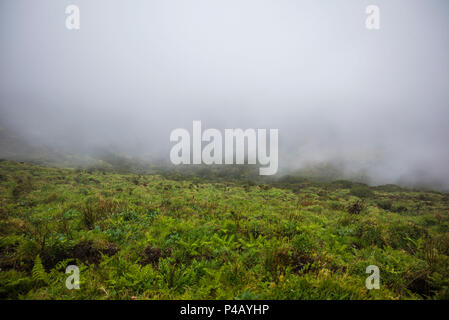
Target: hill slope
{"points": [[149, 237]]}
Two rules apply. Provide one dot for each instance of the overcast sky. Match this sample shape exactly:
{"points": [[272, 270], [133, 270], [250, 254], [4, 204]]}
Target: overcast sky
{"points": [[372, 99]]}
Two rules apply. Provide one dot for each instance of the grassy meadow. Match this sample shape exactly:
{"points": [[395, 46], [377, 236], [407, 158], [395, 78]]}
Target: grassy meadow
{"points": [[166, 236]]}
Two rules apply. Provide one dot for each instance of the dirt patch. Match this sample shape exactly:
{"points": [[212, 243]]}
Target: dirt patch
{"points": [[85, 251], [151, 255], [421, 286], [294, 260]]}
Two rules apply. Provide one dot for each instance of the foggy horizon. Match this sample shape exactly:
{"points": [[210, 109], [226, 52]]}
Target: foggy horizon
{"points": [[374, 101]]}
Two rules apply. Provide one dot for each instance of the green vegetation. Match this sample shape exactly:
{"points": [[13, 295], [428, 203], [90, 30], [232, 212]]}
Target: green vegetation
{"points": [[166, 236]]}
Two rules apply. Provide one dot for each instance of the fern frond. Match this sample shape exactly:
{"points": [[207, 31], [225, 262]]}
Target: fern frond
{"points": [[38, 272]]}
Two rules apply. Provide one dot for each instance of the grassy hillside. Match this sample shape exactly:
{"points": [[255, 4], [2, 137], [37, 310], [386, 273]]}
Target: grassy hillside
{"points": [[171, 237]]}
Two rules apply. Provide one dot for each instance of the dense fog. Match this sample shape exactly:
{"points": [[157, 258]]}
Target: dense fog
{"points": [[371, 101]]}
